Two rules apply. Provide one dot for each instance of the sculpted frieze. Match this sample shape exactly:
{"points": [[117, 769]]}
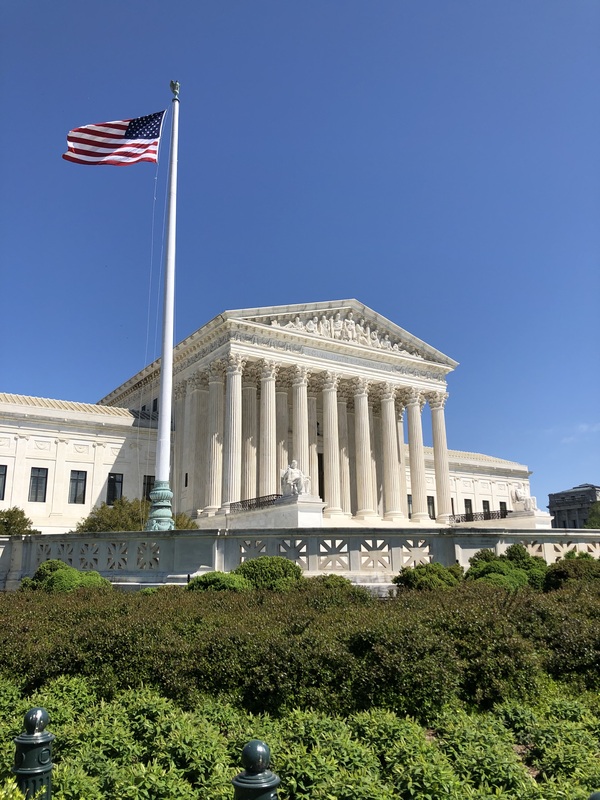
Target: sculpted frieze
{"points": [[343, 327]]}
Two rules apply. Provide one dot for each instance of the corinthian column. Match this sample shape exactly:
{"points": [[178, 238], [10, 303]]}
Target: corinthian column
{"points": [[416, 456], [214, 456], [402, 458], [232, 457], [313, 458], [195, 440], [392, 499], [437, 402], [364, 472], [331, 446], [249, 434], [345, 495], [283, 427], [268, 480], [300, 416]]}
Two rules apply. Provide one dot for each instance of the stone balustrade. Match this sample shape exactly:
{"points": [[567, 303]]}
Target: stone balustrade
{"points": [[369, 556]]}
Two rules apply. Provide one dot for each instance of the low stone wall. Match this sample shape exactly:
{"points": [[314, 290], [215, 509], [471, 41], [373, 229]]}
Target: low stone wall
{"points": [[370, 557]]}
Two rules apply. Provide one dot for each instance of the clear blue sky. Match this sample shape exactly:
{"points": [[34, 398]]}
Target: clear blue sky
{"points": [[438, 161]]}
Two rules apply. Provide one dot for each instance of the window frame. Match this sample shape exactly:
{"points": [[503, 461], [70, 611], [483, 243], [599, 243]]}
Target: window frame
{"points": [[77, 486], [38, 485]]}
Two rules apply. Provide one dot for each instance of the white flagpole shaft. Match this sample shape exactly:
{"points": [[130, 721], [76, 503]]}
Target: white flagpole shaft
{"points": [[163, 450]]}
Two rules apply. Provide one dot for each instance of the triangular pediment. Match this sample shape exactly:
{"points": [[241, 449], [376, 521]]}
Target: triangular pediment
{"points": [[346, 322]]}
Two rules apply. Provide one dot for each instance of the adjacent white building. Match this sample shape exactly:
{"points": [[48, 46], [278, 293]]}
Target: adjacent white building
{"points": [[333, 386]]}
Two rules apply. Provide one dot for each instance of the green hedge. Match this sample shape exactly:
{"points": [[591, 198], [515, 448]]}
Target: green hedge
{"points": [[326, 647], [143, 746]]}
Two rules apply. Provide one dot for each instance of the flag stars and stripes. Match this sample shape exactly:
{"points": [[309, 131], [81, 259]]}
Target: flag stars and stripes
{"points": [[116, 143]]}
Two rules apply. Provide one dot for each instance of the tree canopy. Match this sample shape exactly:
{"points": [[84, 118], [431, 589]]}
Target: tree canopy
{"points": [[593, 520], [126, 515], [14, 522]]}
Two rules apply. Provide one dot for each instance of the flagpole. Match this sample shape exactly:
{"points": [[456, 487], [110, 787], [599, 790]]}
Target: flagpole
{"points": [[161, 513]]}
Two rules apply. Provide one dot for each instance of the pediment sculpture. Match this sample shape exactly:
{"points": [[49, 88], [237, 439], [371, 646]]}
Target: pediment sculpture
{"points": [[344, 327]]}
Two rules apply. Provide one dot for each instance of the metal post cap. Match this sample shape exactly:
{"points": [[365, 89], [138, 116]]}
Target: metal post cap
{"points": [[256, 756], [257, 782], [35, 722]]}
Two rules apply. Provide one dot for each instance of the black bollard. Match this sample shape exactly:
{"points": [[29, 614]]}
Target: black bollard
{"points": [[33, 756], [257, 782]]}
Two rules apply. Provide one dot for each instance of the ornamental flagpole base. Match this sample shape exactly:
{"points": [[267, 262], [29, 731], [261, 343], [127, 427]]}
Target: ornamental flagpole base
{"points": [[161, 513]]}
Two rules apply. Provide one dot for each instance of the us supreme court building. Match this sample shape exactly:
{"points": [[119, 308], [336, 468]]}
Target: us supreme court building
{"points": [[334, 387]]}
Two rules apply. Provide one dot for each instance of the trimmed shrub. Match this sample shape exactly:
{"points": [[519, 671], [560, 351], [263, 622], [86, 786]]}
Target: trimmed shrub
{"points": [[267, 572], [56, 576], [572, 571], [428, 576], [219, 582]]}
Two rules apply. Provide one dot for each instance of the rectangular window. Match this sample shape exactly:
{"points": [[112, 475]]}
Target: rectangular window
{"points": [[2, 480], [452, 504], [148, 486], [37, 485], [469, 510], [503, 510], [486, 509], [431, 507], [77, 486], [114, 488], [409, 502], [155, 405]]}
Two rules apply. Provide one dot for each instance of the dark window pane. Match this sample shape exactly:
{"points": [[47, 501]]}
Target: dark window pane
{"points": [[2, 480], [114, 488], [77, 486], [148, 486], [37, 485]]}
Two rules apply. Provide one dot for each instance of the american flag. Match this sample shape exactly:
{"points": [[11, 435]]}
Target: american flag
{"points": [[121, 142]]}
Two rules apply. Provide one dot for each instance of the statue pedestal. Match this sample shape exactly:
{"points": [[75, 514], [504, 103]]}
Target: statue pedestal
{"points": [[537, 520], [291, 511]]}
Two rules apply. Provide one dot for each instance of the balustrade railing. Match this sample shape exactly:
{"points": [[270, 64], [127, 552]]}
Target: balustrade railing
{"points": [[477, 516], [253, 503]]}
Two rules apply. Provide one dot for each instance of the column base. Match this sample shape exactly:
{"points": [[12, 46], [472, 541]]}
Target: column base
{"points": [[394, 516], [366, 514], [334, 512], [421, 519], [209, 511], [443, 519]]}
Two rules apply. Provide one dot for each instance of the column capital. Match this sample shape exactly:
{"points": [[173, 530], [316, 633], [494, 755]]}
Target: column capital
{"points": [[413, 397], [251, 375], [216, 371], [269, 370], [179, 390], [331, 381], [300, 375], [361, 387], [437, 400], [235, 363], [388, 391], [199, 380]]}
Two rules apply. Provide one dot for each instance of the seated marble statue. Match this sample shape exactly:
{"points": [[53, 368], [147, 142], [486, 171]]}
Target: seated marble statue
{"points": [[294, 481], [522, 501]]}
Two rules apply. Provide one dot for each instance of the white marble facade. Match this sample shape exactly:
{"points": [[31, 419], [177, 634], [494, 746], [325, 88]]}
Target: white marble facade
{"points": [[333, 386]]}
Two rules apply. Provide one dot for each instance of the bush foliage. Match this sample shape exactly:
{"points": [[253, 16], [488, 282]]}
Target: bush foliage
{"points": [[470, 690], [126, 515], [15, 522], [270, 572], [56, 576]]}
